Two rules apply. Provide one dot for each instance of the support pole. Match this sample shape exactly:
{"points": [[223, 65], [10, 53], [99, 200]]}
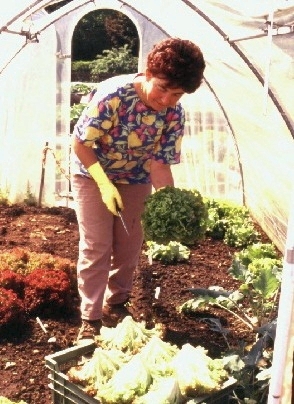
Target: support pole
{"points": [[280, 389], [42, 174]]}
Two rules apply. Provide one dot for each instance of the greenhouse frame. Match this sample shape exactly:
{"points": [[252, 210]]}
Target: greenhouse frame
{"points": [[239, 135]]}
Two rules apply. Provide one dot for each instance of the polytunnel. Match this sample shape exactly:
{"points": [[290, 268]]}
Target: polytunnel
{"points": [[240, 127]]}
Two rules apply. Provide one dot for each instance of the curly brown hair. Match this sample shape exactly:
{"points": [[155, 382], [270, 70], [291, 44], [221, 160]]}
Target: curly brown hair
{"points": [[179, 61]]}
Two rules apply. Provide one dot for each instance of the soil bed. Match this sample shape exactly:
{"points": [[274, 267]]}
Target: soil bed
{"points": [[55, 231]]}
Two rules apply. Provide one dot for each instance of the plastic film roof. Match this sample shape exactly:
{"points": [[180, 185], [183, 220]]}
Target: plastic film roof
{"points": [[240, 124], [248, 47]]}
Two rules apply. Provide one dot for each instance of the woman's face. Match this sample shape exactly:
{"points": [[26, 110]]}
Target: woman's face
{"points": [[159, 95]]}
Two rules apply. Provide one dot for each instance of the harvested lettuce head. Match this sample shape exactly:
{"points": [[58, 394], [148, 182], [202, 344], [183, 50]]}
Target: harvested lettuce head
{"points": [[165, 391], [196, 372], [98, 369], [158, 355], [128, 336], [130, 381]]}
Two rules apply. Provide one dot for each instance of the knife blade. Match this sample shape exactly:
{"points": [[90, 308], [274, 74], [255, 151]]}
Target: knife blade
{"points": [[123, 222]]}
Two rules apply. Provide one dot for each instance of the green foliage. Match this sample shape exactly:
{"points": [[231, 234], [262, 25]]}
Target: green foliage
{"points": [[111, 27], [81, 88], [134, 364], [174, 214], [171, 253], [121, 30], [128, 336], [255, 299], [265, 281], [103, 29], [259, 269], [24, 261], [81, 65], [115, 61], [75, 112], [196, 371], [255, 251], [89, 37], [231, 223], [241, 233]]}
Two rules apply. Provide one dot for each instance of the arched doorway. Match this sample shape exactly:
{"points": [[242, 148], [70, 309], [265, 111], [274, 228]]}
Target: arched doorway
{"points": [[148, 34]]}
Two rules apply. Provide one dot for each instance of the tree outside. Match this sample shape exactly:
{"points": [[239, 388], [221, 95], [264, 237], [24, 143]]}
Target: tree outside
{"points": [[101, 30]]}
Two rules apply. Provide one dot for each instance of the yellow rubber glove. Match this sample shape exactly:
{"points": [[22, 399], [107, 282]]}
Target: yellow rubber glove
{"points": [[109, 192]]}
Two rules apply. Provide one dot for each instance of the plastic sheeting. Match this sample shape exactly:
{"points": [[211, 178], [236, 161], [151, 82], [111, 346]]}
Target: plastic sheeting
{"points": [[210, 160], [262, 135], [245, 150], [239, 134], [28, 112]]}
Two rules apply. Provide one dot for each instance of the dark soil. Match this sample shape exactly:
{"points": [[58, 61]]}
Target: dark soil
{"points": [[54, 230]]}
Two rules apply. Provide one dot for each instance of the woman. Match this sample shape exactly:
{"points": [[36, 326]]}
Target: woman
{"points": [[124, 143]]}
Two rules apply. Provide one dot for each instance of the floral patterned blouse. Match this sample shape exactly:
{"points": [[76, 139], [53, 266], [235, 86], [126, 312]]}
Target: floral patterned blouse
{"points": [[125, 134]]}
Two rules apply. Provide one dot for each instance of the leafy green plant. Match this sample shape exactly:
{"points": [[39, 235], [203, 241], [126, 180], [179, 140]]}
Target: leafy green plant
{"points": [[170, 253], [115, 61], [261, 278], [251, 367], [258, 268], [81, 88], [231, 223], [75, 112], [46, 291], [81, 70], [174, 214], [13, 281], [23, 261], [11, 309], [159, 371], [254, 251], [241, 233], [254, 301]]}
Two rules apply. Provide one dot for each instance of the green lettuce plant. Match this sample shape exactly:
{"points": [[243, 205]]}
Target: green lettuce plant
{"points": [[231, 223], [171, 253], [174, 214]]}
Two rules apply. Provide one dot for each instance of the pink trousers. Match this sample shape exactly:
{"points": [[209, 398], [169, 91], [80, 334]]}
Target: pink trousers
{"points": [[108, 256]]}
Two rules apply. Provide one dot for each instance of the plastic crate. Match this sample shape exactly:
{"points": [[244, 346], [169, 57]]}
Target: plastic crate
{"points": [[66, 392]]}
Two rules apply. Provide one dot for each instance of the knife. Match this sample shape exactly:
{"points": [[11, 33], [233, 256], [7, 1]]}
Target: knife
{"points": [[122, 220]]}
